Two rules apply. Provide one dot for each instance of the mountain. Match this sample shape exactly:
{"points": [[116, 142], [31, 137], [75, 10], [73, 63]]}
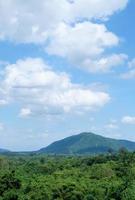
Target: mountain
{"points": [[4, 151], [87, 143]]}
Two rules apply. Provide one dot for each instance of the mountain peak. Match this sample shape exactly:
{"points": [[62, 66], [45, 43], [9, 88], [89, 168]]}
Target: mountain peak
{"points": [[86, 143]]}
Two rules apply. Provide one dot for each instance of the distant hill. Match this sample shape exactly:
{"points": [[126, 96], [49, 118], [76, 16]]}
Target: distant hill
{"points": [[4, 151], [87, 143]]}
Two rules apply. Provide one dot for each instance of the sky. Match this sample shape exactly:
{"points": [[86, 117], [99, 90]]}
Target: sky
{"points": [[66, 67]]}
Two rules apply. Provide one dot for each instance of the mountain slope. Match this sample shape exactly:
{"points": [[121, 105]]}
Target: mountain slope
{"points": [[86, 143]]}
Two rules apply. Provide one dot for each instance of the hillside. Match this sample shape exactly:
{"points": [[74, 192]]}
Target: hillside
{"points": [[87, 143]]}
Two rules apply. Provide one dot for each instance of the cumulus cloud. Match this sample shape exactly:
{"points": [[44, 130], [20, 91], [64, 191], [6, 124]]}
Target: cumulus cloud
{"points": [[128, 120], [31, 21], [32, 82], [50, 24], [84, 39], [98, 9], [84, 45]]}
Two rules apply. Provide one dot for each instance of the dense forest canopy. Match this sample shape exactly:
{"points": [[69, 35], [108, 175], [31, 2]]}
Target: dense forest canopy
{"points": [[42, 177]]}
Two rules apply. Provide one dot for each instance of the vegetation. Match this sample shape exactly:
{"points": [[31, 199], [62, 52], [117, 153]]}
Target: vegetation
{"points": [[87, 143], [42, 177]]}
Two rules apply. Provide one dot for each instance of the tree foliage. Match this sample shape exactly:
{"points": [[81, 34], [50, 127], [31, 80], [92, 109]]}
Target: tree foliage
{"points": [[42, 177]]}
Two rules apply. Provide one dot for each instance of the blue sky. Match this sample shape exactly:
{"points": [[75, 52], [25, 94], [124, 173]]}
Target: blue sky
{"points": [[66, 68]]}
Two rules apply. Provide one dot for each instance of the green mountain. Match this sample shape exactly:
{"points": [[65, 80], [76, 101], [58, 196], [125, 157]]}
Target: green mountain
{"points": [[87, 143]]}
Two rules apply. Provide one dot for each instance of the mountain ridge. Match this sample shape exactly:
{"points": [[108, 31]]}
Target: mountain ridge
{"points": [[87, 143], [83, 143]]}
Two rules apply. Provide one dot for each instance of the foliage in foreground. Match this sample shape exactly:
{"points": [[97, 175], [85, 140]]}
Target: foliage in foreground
{"points": [[39, 177]]}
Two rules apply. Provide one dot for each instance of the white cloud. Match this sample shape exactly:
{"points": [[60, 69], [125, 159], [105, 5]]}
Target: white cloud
{"points": [[25, 112], [98, 9], [85, 45], [42, 22], [128, 120], [37, 87], [104, 64], [31, 21], [82, 40]]}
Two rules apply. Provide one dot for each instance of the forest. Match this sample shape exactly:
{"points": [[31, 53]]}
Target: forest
{"points": [[43, 177]]}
